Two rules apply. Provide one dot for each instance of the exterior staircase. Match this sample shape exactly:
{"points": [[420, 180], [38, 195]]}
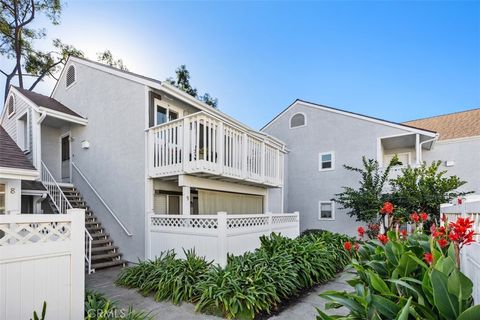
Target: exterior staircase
{"points": [[104, 253]]}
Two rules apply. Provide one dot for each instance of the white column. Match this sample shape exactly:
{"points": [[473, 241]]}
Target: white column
{"points": [[78, 262], [186, 200], [222, 249], [418, 150]]}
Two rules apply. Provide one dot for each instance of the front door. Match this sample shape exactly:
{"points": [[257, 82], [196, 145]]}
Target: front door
{"points": [[65, 154]]}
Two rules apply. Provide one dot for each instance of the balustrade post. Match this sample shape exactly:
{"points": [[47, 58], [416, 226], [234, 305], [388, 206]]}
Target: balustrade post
{"points": [[297, 214], [186, 144], [245, 150], [150, 148], [263, 163], [222, 251], [220, 148]]}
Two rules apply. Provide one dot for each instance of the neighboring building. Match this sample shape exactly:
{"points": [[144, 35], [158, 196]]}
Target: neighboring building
{"points": [[321, 139], [129, 146], [14, 168]]}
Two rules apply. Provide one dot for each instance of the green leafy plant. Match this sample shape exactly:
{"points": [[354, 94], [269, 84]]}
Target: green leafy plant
{"points": [[424, 188], [364, 202], [44, 311], [408, 277], [98, 307], [251, 284]]}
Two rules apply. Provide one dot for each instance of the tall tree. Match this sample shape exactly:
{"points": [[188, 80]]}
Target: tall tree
{"points": [[17, 36], [107, 58], [182, 82]]}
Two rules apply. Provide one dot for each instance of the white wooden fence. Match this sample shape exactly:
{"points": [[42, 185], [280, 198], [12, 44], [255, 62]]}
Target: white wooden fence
{"points": [[470, 256], [42, 259], [213, 236], [204, 143]]}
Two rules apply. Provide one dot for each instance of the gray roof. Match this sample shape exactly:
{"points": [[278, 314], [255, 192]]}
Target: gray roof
{"points": [[32, 185], [47, 102], [10, 154]]}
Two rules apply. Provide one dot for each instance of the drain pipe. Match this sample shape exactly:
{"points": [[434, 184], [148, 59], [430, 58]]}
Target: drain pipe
{"points": [[422, 143]]}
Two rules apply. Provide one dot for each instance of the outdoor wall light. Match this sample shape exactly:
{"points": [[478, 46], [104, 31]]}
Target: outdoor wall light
{"points": [[85, 144]]}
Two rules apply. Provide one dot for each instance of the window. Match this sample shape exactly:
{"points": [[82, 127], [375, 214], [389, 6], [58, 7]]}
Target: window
{"points": [[327, 161], [11, 106], [71, 76], [166, 203], [164, 112], [404, 158], [326, 210], [298, 120]]}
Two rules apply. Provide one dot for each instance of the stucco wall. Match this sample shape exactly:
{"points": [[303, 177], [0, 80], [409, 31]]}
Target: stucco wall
{"points": [[115, 162], [465, 154], [349, 138]]}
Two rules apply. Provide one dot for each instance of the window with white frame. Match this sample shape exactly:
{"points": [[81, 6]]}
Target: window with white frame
{"points": [[326, 161], [298, 120], [326, 210], [11, 106], [71, 76], [165, 112]]}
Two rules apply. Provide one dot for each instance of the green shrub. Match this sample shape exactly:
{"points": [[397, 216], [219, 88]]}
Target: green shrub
{"points": [[167, 277], [251, 284]]}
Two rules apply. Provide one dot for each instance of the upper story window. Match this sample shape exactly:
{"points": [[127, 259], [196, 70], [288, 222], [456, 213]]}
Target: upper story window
{"points": [[164, 112], [11, 106], [298, 120], [71, 76], [326, 161], [326, 210]]}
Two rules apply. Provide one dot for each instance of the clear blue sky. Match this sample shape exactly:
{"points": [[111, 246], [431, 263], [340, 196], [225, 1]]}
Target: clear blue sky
{"points": [[393, 60]]}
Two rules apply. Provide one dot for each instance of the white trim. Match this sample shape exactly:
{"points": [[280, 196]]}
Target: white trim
{"points": [[304, 120], [26, 140], [16, 173], [456, 140], [332, 203], [161, 103], [11, 96], [352, 115], [332, 153], [63, 116], [68, 86]]}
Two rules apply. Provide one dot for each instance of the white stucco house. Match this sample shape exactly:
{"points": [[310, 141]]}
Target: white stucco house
{"points": [[321, 139], [151, 165]]}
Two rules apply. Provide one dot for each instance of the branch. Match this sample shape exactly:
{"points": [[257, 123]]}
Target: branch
{"points": [[32, 16], [45, 72]]}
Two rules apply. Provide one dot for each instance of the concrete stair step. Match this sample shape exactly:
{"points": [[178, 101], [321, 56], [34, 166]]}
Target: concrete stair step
{"points": [[108, 264], [104, 248], [96, 257]]}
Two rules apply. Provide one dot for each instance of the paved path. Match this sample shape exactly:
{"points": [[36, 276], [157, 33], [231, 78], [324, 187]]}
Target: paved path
{"points": [[103, 281]]}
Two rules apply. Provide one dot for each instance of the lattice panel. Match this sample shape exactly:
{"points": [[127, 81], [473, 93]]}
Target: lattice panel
{"points": [[25, 233], [283, 219], [234, 223], [194, 223]]}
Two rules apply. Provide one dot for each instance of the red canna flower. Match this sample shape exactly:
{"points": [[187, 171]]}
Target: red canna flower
{"points": [[442, 242], [347, 246], [444, 217], [404, 233], [357, 246], [383, 238], [387, 208], [424, 216], [361, 232], [428, 257], [459, 200], [414, 217], [461, 231]]}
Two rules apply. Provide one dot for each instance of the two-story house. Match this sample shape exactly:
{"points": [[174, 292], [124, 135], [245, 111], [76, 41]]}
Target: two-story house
{"points": [[321, 139], [125, 146]]}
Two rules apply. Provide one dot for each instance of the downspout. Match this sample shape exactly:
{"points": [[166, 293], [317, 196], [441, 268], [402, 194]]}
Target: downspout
{"points": [[422, 143], [43, 114]]}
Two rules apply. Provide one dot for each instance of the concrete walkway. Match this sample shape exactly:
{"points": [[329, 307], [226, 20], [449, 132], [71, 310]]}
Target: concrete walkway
{"points": [[103, 281]]}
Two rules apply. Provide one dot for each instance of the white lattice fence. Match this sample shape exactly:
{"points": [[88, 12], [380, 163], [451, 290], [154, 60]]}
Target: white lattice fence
{"points": [[214, 236], [42, 259]]}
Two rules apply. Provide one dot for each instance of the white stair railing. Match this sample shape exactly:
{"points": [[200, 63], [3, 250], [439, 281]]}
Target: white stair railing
{"points": [[62, 204]]}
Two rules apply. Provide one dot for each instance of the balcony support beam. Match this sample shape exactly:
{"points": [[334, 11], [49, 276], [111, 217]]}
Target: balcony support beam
{"points": [[186, 200]]}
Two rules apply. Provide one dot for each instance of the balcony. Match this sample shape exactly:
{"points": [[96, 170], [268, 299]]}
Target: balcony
{"points": [[206, 145]]}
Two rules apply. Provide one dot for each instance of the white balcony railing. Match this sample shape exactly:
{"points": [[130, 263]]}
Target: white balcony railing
{"points": [[202, 143]]}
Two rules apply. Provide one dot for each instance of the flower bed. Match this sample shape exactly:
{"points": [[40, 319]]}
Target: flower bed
{"points": [[409, 276], [252, 284]]}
